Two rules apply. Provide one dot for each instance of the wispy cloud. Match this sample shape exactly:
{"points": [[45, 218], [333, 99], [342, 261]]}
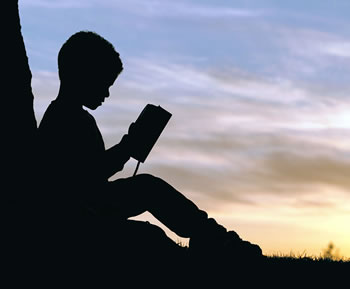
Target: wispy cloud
{"points": [[311, 52], [233, 95], [54, 4], [152, 8], [337, 48], [192, 10], [181, 9]]}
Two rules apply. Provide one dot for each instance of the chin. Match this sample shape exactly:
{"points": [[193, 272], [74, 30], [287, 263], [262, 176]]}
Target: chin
{"points": [[93, 106]]}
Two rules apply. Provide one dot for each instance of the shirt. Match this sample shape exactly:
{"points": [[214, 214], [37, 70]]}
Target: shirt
{"points": [[71, 149]]}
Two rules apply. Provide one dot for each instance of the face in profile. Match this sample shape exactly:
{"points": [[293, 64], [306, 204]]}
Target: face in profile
{"points": [[95, 90], [88, 66]]}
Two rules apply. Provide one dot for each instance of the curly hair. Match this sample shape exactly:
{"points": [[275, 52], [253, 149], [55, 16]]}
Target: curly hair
{"points": [[86, 51]]}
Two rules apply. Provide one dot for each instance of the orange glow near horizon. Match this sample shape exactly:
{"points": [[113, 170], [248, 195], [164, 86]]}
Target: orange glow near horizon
{"points": [[281, 231]]}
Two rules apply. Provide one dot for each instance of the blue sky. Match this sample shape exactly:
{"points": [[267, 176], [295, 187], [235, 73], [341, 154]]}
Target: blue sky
{"points": [[259, 92]]}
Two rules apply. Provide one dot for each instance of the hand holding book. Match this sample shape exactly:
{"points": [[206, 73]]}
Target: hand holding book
{"points": [[145, 131]]}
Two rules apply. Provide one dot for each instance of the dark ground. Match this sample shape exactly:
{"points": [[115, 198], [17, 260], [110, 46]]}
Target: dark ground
{"points": [[98, 258]]}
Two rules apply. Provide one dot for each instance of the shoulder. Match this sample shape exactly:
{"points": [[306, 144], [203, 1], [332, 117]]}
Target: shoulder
{"points": [[54, 117], [61, 121], [58, 115]]}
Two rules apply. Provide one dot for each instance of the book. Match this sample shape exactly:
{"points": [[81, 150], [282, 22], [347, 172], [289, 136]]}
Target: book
{"points": [[147, 129]]}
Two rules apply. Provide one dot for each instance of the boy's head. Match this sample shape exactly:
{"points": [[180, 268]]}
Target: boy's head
{"points": [[88, 65]]}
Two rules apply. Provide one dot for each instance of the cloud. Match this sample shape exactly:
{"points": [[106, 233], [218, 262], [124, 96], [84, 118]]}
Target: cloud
{"points": [[233, 97], [306, 171], [313, 43], [337, 48], [181, 9], [314, 53], [260, 163], [54, 4], [151, 8]]}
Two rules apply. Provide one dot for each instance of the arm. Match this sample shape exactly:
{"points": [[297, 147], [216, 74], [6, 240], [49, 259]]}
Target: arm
{"points": [[116, 157]]}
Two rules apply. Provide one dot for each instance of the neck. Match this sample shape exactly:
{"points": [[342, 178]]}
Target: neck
{"points": [[68, 96]]}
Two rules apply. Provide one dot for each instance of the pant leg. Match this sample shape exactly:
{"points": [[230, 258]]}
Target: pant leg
{"points": [[136, 195]]}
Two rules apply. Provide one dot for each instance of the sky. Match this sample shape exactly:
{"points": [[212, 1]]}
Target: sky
{"points": [[260, 96]]}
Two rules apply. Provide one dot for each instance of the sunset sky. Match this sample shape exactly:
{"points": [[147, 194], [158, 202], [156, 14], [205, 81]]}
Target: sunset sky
{"points": [[260, 96]]}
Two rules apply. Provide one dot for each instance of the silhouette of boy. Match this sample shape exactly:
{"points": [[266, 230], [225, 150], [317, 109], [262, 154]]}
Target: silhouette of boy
{"points": [[76, 161]]}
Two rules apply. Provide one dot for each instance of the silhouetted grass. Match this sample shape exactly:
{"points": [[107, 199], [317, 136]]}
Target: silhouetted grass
{"points": [[323, 257], [307, 260], [297, 269], [281, 271]]}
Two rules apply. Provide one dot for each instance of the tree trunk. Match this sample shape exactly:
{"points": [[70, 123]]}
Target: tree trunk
{"points": [[19, 124]]}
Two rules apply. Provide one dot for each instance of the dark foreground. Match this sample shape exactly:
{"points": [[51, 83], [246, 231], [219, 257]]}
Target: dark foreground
{"points": [[94, 255]]}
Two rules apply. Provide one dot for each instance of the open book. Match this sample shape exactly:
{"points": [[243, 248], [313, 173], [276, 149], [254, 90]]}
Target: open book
{"points": [[147, 129]]}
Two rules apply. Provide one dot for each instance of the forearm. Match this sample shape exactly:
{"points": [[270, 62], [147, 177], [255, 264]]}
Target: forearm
{"points": [[116, 157]]}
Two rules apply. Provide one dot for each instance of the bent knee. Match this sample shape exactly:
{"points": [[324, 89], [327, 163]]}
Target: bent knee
{"points": [[146, 179], [150, 183]]}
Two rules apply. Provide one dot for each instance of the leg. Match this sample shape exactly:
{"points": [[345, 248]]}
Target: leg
{"points": [[133, 196]]}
